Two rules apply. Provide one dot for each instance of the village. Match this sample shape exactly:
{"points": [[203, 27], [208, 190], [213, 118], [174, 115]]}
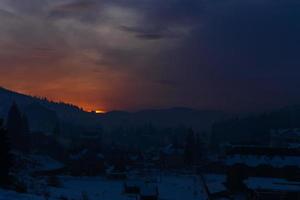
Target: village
{"points": [[148, 163], [246, 172]]}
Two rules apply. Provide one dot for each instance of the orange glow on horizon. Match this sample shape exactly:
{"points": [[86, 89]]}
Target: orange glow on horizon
{"points": [[68, 99], [100, 111]]}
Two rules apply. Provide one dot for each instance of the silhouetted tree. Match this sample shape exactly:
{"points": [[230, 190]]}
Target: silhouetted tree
{"points": [[190, 147], [25, 125], [14, 120], [200, 150], [5, 157], [235, 177], [56, 130], [18, 129]]}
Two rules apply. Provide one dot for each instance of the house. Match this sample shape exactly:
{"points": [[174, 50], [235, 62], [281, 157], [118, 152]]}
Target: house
{"points": [[172, 157], [261, 188], [133, 186], [215, 186], [86, 162], [42, 143], [258, 161], [264, 161], [115, 174], [43, 165], [288, 138]]}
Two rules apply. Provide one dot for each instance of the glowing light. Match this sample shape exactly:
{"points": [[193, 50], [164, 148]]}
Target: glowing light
{"points": [[99, 111]]}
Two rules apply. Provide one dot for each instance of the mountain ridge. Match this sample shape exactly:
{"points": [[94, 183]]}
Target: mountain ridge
{"points": [[87, 121]]}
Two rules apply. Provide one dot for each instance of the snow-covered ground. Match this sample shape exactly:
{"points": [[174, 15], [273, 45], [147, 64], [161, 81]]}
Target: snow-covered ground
{"points": [[10, 195], [171, 187]]}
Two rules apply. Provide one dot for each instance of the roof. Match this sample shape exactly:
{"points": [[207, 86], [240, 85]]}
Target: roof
{"points": [[286, 132], [134, 183], [170, 149], [79, 155], [46, 163], [215, 183], [254, 160], [262, 150], [274, 184]]}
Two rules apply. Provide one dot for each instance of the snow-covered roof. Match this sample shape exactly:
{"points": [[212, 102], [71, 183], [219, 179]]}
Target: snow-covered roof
{"points": [[170, 149], [134, 183], [110, 169], [275, 184], [12, 195], [256, 160], [287, 132], [215, 183], [261, 150], [79, 155], [46, 163]]}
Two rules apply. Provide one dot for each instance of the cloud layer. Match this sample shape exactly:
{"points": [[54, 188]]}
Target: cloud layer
{"points": [[117, 54]]}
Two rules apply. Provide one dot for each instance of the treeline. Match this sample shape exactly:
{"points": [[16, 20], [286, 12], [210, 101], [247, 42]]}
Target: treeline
{"points": [[18, 129], [58, 103], [14, 135], [254, 129], [17, 140], [5, 157]]}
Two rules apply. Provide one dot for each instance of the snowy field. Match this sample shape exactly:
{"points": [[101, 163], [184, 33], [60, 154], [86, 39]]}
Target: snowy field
{"points": [[170, 187]]}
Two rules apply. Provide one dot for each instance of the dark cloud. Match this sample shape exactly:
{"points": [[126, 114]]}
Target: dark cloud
{"points": [[82, 10], [232, 54], [148, 33], [150, 36], [76, 6]]}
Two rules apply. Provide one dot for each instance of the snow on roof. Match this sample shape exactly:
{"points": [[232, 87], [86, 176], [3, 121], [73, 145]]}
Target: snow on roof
{"points": [[12, 195], [256, 160], [291, 132], [275, 184], [215, 183], [134, 183], [79, 155], [261, 151], [46, 163], [110, 169], [168, 149]]}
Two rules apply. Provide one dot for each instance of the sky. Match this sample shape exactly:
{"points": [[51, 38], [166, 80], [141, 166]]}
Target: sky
{"points": [[234, 55]]}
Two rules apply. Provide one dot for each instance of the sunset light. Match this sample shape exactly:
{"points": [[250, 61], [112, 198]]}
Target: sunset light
{"points": [[149, 100], [100, 111]]}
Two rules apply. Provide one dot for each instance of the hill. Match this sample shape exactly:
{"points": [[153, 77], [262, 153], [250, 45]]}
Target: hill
{"points": [[200, 120], [44, 115], [256, 128]]}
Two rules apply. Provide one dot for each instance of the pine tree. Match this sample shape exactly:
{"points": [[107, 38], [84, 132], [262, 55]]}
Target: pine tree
{"points": [[56, 130], [18, 129], [26, 134], [5, 158], [189, 150], [14, 121], [25, 125]]}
